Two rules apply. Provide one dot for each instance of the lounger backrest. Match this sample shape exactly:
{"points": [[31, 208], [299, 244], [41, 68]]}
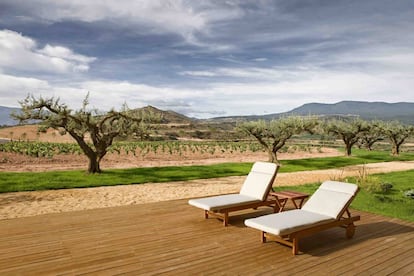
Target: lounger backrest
{"points": [[331, 198], [259, 181]]}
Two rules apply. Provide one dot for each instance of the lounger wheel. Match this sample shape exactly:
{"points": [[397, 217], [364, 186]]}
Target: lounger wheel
{"points": [[350, 230]]}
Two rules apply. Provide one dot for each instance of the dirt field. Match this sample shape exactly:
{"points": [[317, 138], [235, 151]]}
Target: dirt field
{"points": [[23, 204], [19, 163]]}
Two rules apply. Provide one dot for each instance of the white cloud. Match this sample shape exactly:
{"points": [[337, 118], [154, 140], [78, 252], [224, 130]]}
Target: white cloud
{"points": [[162, 15], [108, 94], [282, 55], [255, 97], [260, 59], [65, 53], [185, 18], [199, 73], [219, 98], [22, 53], [14, 89]]}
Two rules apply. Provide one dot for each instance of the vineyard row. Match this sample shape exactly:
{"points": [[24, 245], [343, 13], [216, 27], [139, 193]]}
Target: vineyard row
{"points": [[47, 149]]}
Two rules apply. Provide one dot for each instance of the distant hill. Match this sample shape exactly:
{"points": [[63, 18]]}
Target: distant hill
{"points": [[168, 116], [5, 119], [402, 111]]}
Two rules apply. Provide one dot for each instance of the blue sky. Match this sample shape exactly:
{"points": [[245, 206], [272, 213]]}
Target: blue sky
{"points": [[207, 58]]}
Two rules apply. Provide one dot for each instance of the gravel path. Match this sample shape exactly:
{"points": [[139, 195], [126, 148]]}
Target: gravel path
{"points": [[24, 204]]}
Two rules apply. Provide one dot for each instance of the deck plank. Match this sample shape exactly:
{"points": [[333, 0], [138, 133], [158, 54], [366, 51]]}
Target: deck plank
{"points": [[172, 237]]}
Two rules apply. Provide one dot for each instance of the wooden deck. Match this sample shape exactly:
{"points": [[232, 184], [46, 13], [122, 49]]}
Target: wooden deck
{"points": [[174, 238]]}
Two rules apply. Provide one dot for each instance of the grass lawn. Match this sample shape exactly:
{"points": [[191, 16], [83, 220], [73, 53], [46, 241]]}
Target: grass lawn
{"points": [[392, 203], [30, 181]]}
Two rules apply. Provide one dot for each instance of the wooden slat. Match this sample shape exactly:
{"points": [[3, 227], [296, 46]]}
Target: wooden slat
{"points": [[173, 237]]}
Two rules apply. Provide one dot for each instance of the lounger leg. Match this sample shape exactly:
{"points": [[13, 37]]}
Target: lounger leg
{"points": [[205, 214], [295, 246], [226, 219], [263, 237], [350, 230]]}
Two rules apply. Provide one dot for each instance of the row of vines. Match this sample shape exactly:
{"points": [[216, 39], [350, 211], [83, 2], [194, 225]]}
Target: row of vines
{"points": [[47, 149]]}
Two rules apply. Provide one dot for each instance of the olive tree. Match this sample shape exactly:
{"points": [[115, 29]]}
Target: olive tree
{"points": [[372, 135], [350, 131], [272, 135], [397, 133], [93, 132]]}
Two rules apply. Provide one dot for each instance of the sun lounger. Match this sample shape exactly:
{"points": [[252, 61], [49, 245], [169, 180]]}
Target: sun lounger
{"points": [[326, 208], [253, 194]]}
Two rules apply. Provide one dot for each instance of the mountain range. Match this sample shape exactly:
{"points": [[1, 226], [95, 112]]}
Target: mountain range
{"points": [[402, 111], [5, 119]]}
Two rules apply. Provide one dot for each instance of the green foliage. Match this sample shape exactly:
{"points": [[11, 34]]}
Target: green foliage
{"points": [[83, 123], [397, 134], [46, 149], [350, 132], [370, 183], [40, 149], [371, 136], [392, 203], [273, 135]]}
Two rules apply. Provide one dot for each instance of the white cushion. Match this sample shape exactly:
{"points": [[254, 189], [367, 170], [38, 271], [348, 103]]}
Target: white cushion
{"points": [[255, 187], [259, 180], [264, 167], [337, 186], [324, 205], [330, 198], [216, 203], [287, 222]]}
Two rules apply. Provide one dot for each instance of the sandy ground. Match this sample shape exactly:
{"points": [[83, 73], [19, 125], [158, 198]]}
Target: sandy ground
{"points": [[23, 204]]}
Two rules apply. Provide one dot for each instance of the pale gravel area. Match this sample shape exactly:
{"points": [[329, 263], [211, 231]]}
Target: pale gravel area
{"points": [[24, 204]]}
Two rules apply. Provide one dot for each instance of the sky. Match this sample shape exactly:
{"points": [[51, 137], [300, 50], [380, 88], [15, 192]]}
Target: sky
{"points": [[207, 58]]}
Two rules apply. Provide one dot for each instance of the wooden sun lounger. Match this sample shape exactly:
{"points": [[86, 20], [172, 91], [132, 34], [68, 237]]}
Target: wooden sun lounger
{"points": [[223, 212], [328, 207], [253, 194]]}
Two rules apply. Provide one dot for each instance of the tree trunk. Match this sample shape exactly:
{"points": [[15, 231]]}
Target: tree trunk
{"points": [[272, 156], [348, 149], [94, 164], [395, 150]]}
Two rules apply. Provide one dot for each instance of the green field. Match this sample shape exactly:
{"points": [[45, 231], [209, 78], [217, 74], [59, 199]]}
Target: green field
{"points": [[392, 203], [31, 181]]}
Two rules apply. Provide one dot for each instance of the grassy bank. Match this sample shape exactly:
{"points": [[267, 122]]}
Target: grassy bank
{"points": [[30, 181], [392, 203]]}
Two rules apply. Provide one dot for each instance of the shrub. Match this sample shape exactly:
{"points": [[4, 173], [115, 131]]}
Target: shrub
{"points": [[371, 184], [409, 193], [385, 187]]}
